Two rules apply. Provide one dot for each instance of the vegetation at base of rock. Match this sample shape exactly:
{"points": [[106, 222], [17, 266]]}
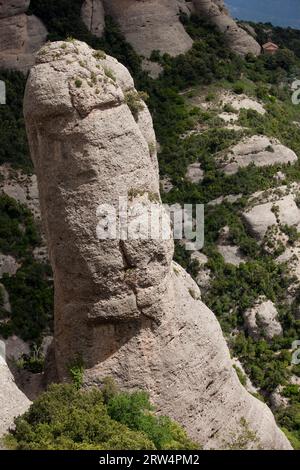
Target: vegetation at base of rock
{"points": [[64, 418]]}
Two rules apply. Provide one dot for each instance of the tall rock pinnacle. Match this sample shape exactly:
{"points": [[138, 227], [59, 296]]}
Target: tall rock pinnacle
{"points": [[122, 305]]}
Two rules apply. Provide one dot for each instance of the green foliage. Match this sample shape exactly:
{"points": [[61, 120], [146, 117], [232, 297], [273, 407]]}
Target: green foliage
{"points": [[208, 64], [289, 419], [14, 147], [31, 297], [242, 377], [134, 101], [33, 362], [243, 438], [76, 370], [64, 418], [18, 233], [284, 37], [261, 360]]}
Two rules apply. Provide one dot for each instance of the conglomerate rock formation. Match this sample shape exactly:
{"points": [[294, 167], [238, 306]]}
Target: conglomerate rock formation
{"points": [[121, 305]]}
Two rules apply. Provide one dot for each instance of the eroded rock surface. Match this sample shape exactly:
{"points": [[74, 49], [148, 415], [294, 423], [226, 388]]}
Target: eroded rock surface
{"points": [[122, 305]]}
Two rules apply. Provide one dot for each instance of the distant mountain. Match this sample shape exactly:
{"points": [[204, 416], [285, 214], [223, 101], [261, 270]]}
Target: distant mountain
{"points": [[278, 12]]}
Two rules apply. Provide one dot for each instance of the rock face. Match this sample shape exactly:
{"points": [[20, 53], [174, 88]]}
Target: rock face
{"points": [[93, 16], [12, 401], [194, 173], [238, 39], [20, 35], [263, 216], [258, 150], [122, 305], [150, 25], [261, 321]]}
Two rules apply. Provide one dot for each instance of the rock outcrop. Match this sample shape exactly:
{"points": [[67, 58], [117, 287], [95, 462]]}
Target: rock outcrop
{"points": [[121, 304], [238, 39], [261, 320], [20, 35], [258, 150], [12, 401], [150, 25], [261, 217]]}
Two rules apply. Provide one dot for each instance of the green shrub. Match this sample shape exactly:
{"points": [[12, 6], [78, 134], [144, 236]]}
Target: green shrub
{"points": [[18, 233], [64, 418], [14, 148], [31, 297]]}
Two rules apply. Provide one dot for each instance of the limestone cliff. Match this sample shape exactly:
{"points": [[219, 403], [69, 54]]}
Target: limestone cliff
{"points": [[20, 35], [122, 305]]}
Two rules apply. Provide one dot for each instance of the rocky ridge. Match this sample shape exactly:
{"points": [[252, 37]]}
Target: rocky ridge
{"points": [[142, 323], [147, 25]]}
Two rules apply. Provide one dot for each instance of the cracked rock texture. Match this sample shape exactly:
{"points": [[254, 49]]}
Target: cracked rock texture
{"points": [[124, 306], [20, 35], [239, 40]]}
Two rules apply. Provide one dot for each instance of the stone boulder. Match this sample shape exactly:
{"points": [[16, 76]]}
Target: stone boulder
{"points": [[194, 173], [20, 36], [239, 40], [120, 303], [150, 25], [261, 321], [257, 150], [263, 216]]}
